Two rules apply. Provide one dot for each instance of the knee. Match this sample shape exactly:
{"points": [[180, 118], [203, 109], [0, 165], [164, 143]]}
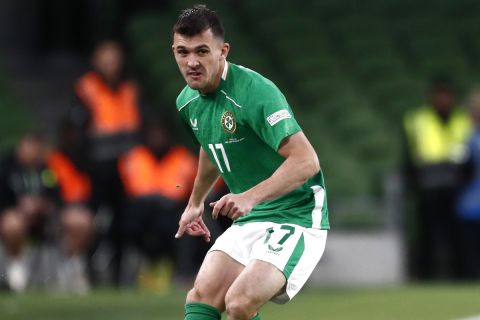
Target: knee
{"points": [[194, 295], [13, 229], [214, 297], [201, 294], [239, 307], [77, 229]]}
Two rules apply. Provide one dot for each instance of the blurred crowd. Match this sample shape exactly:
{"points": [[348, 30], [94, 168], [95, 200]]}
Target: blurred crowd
{"points": [[101, 205], [442, 167]]}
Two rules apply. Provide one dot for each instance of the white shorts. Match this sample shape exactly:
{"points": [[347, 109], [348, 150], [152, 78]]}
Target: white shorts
{"points": [[292, 249]]}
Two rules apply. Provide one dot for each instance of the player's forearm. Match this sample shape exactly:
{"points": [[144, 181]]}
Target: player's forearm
{"points": [[293, 172], [207, 174], [202, 186]]}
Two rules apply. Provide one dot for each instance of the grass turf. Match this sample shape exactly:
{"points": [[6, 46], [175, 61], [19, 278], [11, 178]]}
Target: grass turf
{"points": [[409, 302]]}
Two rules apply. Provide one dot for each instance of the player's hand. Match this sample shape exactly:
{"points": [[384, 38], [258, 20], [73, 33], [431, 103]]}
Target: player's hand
{"points": [[232, 206], [192, 223]]}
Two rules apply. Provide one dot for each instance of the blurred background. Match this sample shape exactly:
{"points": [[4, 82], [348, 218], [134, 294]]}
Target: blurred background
{"points": [[95, 167]]}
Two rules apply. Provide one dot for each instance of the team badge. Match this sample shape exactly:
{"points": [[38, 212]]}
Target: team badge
{"points": [[229, 123]]}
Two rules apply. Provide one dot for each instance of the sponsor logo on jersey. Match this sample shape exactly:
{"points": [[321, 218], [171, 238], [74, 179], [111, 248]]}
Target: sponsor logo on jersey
{"points": [[278, 116], [193, 122], [229, 123]]}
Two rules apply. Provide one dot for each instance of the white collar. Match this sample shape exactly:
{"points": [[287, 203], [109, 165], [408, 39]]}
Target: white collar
{"points": [[225, 71]]}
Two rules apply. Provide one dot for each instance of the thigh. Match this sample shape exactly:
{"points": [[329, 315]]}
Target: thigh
{"points": [[257, 284], [216, 275]]}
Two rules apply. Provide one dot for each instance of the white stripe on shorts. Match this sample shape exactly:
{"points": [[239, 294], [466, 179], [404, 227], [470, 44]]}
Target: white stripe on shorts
{"points": [[319, 194]]}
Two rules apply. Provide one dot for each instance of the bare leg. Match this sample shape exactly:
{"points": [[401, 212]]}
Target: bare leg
{"points": [[13, 232], [216, 275], [77, 227], [256, 285]]}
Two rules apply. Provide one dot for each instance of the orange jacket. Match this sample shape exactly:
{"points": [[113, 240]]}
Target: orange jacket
{"points": [[75, 186], [171, 176], [112, 111]]}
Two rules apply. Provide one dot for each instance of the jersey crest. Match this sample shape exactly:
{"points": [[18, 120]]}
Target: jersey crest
{"points": [[229, 123]]}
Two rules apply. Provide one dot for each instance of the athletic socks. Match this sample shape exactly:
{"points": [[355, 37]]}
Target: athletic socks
{"points": [[200, 311]]}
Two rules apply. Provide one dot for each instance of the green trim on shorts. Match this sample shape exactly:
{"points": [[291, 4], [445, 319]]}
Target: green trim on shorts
{"points": [[295, 257]]}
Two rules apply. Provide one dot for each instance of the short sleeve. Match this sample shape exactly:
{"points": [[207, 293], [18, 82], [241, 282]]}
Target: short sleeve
{"points": [[270, 116]]}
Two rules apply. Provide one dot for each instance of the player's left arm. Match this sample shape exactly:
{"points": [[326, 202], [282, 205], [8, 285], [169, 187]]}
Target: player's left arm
{"points": [[301, 163]]}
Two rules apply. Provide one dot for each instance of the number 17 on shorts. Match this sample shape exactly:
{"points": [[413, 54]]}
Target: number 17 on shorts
{"points": [[282, 246], [294, 250]]}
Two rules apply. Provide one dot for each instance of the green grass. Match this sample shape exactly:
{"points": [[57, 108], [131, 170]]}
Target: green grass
{"points": [[410, 302]]}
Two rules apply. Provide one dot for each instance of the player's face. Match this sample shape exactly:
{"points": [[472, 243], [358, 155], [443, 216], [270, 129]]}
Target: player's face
{"points": [[201, 59]]}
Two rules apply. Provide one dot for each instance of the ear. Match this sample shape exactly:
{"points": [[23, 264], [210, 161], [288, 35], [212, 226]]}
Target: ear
{"points": [[225, 50], [173, 48]]}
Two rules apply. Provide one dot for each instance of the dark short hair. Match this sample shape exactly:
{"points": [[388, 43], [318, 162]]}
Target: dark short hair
{"points": [[441, 83], [195, 20]]}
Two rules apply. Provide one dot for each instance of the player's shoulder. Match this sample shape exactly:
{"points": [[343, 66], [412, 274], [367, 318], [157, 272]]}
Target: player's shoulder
{"points": [[186, 96], [252, 79], [250, 87]]}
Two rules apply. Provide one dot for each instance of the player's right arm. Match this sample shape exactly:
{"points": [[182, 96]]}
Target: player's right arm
{"points": [[191, 221]]}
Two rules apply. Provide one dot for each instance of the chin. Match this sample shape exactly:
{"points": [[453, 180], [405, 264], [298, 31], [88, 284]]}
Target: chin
{"points": [[195, 85]]}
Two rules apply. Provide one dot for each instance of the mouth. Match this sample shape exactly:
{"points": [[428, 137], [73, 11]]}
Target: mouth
{"points": [[195, 75]]}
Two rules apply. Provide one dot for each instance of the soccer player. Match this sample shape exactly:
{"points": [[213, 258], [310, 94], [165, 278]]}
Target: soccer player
{"points": [[249, 136]]}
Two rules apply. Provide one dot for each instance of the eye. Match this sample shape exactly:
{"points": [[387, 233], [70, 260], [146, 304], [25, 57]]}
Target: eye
{"points": [[182, 52], [202, 52]]}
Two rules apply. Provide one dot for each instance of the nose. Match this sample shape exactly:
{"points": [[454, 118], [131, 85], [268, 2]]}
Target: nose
{"points": [[192, 62]]}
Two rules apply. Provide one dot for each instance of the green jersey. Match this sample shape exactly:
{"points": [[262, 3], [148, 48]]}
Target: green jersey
{"points": [[241, 126]]}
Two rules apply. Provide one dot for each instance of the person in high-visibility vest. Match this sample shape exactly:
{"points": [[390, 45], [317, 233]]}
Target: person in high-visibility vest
{"points": [[435, 150], [109, 106], [157, 177], [108, 114]]}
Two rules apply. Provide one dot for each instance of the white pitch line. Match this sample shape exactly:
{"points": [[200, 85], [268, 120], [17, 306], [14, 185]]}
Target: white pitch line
{"points": [[476, 317]]}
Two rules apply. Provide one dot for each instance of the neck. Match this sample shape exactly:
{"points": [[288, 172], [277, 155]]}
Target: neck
{"points": [[112, 80], [218, 79], [444, 114]]}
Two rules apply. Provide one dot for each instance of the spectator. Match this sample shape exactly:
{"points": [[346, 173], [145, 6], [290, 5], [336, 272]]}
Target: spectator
{"points": [[108, 116], [52, 265], [28, 185], [158, 177], [108, 109], [27, 197], [469, 200], [435, 136], [28, 201], [60, 265]]}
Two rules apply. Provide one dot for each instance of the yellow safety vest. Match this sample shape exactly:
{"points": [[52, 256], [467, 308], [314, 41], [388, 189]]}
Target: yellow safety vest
{"points": [[433, 141]]}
